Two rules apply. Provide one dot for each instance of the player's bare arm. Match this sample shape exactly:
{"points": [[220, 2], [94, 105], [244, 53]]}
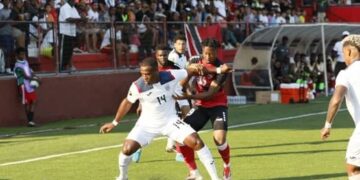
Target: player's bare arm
{"points": [[121, 112], [213, 89], [333, 108]]}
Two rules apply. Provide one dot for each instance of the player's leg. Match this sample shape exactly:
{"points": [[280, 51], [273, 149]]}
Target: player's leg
{"points": [[129, 147], [30, 102], [196, 118], [183, 133], [195, 143], [219, 119], [137, 138], [353, 172], [353, 158]]}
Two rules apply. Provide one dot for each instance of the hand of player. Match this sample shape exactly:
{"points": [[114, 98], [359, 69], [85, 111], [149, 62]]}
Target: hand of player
{"points": [[198, 68], [106, 128], [180, 97], [325, 133], [226, 68]]}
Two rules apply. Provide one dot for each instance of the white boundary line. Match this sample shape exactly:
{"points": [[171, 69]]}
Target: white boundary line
{"points": [[120, 145]]}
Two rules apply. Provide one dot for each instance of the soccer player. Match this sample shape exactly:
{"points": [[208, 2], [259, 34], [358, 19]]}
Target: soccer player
{"points": [[24, 75], [211, 104], [177, 55], [347, 85], [155, 92], [161, 55]]}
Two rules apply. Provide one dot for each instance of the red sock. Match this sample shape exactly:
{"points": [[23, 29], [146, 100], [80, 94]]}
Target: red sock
{"points": [[225, 154], [189, 157], [178, 150]]}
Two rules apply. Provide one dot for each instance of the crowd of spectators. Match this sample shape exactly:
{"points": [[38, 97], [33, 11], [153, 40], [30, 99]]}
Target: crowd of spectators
{"points": [[144, 23], [305, 69]]}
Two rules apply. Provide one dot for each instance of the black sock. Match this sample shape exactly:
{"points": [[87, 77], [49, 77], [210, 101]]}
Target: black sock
{"points": [[30, 116]]}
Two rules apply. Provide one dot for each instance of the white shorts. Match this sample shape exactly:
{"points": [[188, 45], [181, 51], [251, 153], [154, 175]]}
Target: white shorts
{"points": [[353, 151], [175, 129]]}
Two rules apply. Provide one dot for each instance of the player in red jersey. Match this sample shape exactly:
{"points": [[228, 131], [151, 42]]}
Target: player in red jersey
{"points": [[210, 104]]}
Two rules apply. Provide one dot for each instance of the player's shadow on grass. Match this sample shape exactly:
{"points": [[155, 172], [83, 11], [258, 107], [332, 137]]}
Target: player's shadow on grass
{"points": [[320, 176], [285, 153], [291, 144], [253, 155]]}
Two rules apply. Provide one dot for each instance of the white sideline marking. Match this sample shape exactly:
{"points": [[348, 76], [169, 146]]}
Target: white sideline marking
{"points": [[117, 146]]}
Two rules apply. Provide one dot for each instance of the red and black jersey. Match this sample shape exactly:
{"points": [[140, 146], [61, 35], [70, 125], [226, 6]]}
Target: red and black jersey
{"points": [[202, 84], [168, 65]]}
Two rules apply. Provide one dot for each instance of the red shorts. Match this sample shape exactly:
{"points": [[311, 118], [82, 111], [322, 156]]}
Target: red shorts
{"points": [[27, 97]]}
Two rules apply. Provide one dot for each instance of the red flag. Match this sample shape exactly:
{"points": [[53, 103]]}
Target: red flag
{"points": [[196, 34]]}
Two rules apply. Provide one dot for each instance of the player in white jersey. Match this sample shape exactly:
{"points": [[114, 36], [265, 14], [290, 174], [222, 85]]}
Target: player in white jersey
{"points": [[177, 55], [348, 86], [155, 91]]}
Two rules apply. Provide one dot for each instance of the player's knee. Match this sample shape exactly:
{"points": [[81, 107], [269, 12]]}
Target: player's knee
{"points": [[219, 140], [194, 142], [128, 149], [197, 142], [353, 171]]}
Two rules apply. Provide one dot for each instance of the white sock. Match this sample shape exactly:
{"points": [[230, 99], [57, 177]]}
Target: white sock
{"points": [[354, 177], [222, 147], [207, 159], [124, 162]]}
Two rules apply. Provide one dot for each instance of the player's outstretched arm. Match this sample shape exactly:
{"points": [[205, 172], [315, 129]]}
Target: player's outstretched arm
{"points": [[199, 70], [333, 108], [121, 112], [223, 69], [214, 88]]}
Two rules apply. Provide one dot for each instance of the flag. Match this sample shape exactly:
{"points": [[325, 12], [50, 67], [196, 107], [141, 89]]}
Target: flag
{"points": [[196, 34]]}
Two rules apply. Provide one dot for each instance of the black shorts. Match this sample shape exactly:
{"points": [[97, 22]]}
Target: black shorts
{"points": [[199, 116]]}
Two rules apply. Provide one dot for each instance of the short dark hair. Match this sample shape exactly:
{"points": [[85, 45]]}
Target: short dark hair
{"points": [[180, 37], [161, 47], [150, 61], [209, 42], [20, 50]]}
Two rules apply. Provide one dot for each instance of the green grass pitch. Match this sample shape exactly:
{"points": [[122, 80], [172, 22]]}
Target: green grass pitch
{"points": [[286, 146]]}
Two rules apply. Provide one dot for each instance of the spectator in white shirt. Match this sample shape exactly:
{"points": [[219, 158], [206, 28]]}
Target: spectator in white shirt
{"points": [[121, 46], [92, 30], [68, 17]]}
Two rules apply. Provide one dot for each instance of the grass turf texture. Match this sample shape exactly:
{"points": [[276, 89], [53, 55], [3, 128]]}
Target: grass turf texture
{"points": [[289, 149]]}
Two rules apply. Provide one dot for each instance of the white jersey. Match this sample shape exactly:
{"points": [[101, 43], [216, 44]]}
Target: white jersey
{"points": [[338, 48], [350, 79], [157, 103], [178, 59], [66, 28]]}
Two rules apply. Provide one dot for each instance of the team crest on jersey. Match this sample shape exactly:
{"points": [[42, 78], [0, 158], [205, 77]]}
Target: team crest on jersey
{"points": [[167, 87]]}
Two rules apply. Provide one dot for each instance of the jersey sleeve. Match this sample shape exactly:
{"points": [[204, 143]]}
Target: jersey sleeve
{"points": [[20, 77], [133, 93], [172, 57], [179, 74], [341, 80]]}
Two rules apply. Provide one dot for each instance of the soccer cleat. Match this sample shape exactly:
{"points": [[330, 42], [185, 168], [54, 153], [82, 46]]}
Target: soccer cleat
{"points": [[136, 156], [227, 173], [31, 124], [194, 175], [179, 157], [119, 178]]}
